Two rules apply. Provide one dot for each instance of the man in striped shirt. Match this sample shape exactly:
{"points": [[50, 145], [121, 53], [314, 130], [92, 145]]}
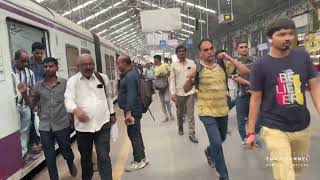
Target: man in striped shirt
{"points": [[23, 77]]}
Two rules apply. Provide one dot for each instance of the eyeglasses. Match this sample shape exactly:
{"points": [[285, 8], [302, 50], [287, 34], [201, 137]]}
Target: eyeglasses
{"points": [[87, 65]]}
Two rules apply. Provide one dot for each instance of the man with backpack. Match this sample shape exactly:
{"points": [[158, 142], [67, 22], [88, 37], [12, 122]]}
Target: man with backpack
{"points": [[184, 101], [130, 100], [209, 78], [162, 72]]}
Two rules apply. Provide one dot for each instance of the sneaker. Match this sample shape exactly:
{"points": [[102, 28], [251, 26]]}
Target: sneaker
{"points": [[210, 161], [134, 166], [258, 144], [146, 161], [244, 143], [193, 139], [72, 169]]}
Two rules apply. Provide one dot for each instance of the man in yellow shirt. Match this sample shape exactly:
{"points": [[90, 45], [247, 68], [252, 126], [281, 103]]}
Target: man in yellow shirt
{"points": [[162, 72], [212, 100]]}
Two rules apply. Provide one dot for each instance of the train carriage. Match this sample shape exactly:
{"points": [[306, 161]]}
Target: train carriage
{"points": [[21, 24]]}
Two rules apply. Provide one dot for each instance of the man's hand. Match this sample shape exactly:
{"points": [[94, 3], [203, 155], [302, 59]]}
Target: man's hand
{"points": [[82, 116], [226, 56], [251, 142], [128, 117], [35, 109], [192, 73], [113, 119], [23, 88], [174, 98]]}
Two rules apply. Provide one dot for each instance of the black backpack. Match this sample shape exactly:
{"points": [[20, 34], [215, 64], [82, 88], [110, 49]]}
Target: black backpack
{"points": [[144, 94]]}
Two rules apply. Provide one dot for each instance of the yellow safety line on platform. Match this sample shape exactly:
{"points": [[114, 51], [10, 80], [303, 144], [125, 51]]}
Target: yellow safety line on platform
{"points": [[121, 160]]}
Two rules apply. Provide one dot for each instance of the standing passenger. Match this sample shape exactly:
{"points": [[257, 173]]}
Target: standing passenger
{"points": [[129, 101], [184, 101], [149, 77], [36, 65], [91, 103], [24, 78]]}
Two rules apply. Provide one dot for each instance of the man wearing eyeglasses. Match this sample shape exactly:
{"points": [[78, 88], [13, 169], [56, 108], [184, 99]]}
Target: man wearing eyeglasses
{"points": [[243, 92]]}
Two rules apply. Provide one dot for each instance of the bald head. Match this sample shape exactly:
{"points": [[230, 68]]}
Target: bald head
{"points": [[125, 59], [84, 57], [123, 62], [86, 65]]}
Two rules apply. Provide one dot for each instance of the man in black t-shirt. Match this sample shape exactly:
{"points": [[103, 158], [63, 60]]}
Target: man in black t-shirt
{"points": [[278, 83]]}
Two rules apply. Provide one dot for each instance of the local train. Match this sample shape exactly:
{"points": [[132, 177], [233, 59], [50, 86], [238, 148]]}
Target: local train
{"points": [[21, 24]]}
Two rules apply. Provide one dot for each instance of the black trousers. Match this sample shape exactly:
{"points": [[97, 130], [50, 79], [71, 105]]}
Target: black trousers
{"points": [[101, 140], [48, 141]]}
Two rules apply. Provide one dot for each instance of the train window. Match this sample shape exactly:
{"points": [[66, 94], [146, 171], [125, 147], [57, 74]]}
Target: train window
{"points": [[22, 36], [108, 67], [113, 70], [85, 51], [72, 53]]}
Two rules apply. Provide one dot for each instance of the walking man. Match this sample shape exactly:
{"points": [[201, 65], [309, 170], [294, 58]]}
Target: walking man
{"points": [[243, 93], [212, 100], [48, 96], [184, 101], [279, 81], [162, 73], [90, 101]]}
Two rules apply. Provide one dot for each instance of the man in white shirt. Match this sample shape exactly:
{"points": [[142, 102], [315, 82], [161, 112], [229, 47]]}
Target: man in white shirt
{"points": [[184, 101], [91, 103]]}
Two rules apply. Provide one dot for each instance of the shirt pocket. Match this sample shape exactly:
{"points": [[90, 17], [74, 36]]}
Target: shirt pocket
{"points": [[100, 93]]}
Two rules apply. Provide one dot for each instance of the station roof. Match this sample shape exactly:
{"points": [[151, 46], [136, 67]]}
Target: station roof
{"points": [[112, 19]]}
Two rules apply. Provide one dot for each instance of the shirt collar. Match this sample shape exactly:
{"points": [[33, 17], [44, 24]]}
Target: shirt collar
{"points": [[82, 77], [214, 66], [32, 61], [58, 82]]}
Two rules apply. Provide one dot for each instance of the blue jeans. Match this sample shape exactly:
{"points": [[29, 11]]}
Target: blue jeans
{"points": [[24, 116], [135, 136], [231, 103], [216, 128], [48, 141], [242, 107]]}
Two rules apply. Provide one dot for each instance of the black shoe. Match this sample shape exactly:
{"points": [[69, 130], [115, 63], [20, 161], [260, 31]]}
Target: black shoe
{"points": [[180, 132], [72, 169], [210, 161]]}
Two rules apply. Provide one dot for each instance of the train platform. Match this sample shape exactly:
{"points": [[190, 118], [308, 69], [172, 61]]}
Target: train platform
{"points": [[174, 157]]}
